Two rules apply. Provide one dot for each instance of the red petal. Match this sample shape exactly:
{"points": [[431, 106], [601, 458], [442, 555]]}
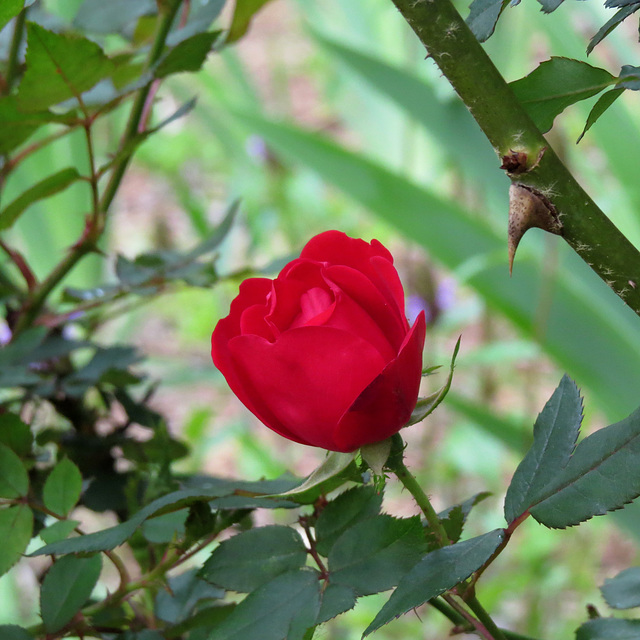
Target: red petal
{"points": [[304, 382], [385, 406]]}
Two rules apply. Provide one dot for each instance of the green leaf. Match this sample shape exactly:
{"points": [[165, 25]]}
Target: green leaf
{"points": [[62, 488], [14, 480], [17, 126], [350, 507], [256, 556], [557, 83], [483, 16], [242, 16], [328, 476], [97, 16], [285, 607], [437, 572], [165, 528], [609, 629], [189, 55], [9, 9], [611, 24], [601, 105], [426, 406], [336, 599], [623, 591], [66, 587], [185, 592], [13, 631], [43, 189], [16, 527], [59, 67], [15, 434], [376, 455], [629, 77], [454, 518], [554, 437], [603, 474], [58, 531], [374, 554]]}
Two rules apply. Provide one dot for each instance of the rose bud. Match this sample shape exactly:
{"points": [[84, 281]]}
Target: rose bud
{"points": [[323, 354]]}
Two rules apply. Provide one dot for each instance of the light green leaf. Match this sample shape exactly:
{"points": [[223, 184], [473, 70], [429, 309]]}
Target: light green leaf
{"points": [[285, 607], [9, 9], [66, 587], [554, 437], [59, 67], [62, 488], [426, 406], [43, 189], [374, 554], [376, 455], [242, 16], [557, 83], [16, 527], [436, 573], [251, 558], [328, 476], [609, 629], [14, 480], [602, 475], [350, 507], [623, 591], [188, 55]]}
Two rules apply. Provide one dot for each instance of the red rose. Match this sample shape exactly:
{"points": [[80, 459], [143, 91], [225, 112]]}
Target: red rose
{"points": [[323, 354]]}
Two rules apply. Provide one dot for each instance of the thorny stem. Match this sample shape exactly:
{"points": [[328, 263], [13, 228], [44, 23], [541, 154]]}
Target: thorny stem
{"points": [[463, 61]]}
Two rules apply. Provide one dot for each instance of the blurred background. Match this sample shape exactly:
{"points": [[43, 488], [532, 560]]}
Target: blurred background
{"points": [[327, 116]]}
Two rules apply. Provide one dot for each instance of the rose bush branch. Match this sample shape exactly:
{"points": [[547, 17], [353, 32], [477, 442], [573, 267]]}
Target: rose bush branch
{"points": [[463, 61]]}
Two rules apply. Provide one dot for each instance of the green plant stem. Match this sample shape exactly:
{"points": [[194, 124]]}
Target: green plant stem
{"points": [[481, 614], [463, 61], [138, 107], [397, 465], [16, 41]]}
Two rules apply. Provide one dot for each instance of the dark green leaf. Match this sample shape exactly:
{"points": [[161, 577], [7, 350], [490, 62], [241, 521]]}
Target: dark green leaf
{"points": [[483, 16], [9, 9], [256, 556], [346, 510], [43, 189], [603, 474], [114, 16], [15, 434], [165, 528], [200, 18], [59, 67], [66, 587], [602, 104], [426, 406], [16, 527], [62, 488], [453, 519], [16, 125], [14, 480], [201, 622], [609, 629], [374, 554], [185, 592], [13, 631], [200, 522], [189, 55], [437, 572], [554, 437], [623, 591], [283, 608], [58, 531], [336, 599], [557, 83], [550, 5], [618, 3], [612, 23], [242, 16]]}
